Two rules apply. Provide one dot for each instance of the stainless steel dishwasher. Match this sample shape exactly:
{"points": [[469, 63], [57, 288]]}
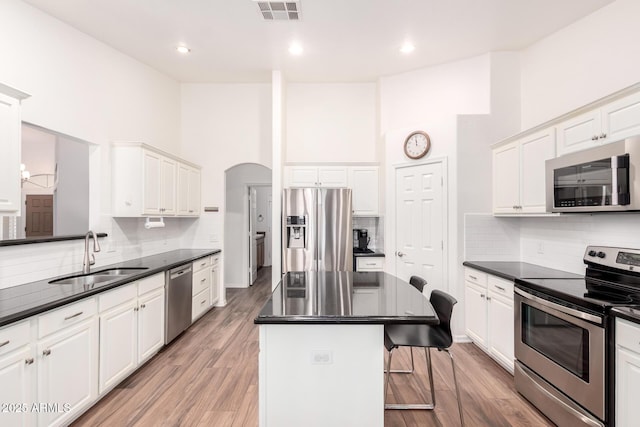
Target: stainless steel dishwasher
{"points": [[177, 303]]}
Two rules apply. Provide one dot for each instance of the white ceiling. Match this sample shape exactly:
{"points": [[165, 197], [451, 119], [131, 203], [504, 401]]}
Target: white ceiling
{"points": [[344, 40]]}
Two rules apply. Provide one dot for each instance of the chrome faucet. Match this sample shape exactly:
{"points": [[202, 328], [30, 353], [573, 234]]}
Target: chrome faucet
{"points": [[89, 261]]}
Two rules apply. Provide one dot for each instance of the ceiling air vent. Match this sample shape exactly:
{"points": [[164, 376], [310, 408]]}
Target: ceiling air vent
{"points": [[279, 10]]}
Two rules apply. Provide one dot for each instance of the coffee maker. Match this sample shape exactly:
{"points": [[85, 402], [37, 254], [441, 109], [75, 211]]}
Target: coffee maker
{"points": [[361, 239]]}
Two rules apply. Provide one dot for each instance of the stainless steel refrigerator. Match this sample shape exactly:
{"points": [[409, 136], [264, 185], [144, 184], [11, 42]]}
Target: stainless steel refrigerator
{"points": [[316, 229]]}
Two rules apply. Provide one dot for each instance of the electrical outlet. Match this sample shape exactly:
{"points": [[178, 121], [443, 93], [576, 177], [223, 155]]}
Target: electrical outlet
{"points": [[541, 248], [321, 357]]}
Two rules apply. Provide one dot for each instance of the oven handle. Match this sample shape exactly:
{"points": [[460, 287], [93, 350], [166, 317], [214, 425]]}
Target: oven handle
{"points": [[561, 308]]}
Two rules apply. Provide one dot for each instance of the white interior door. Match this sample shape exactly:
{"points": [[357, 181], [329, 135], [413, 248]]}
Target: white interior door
{"points": [[420, 223], [253, 264]]}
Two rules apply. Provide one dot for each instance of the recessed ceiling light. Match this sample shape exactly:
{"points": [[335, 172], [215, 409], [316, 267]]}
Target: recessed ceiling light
{"points": [[183, 49], [295, 48], [407, 47]]}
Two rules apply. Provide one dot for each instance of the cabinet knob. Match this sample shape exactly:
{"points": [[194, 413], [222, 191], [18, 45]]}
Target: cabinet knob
{"points": [[482, 296], [136, 309], [488, 298], [603, 135], [28, 361], [46, 352], [594, 138], [142, 306]]}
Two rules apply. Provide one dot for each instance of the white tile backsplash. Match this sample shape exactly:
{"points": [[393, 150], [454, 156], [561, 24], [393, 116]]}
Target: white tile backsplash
{"points": [[375, 227], [556, 241], [127, 239], [488, 238]]}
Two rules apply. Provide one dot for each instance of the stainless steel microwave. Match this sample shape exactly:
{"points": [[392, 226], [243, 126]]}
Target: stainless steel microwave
{"points": [[600, 179]]}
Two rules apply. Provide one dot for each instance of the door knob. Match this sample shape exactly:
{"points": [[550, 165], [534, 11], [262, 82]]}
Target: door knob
{"points": [[400, 254]]}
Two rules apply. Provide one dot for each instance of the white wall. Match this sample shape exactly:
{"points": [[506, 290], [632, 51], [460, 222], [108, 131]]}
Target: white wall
{"points": [[85, 89], [332, 122], [222, 125], [430, 100], [581, 63]]}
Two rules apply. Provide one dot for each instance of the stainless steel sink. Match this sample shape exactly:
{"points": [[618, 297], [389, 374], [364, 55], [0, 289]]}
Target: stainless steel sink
{"points": [[90, 279], [124, 271], [102, 276]]}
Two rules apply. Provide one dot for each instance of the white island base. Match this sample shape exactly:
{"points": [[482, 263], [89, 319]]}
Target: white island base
{"points": [[321, 375]]}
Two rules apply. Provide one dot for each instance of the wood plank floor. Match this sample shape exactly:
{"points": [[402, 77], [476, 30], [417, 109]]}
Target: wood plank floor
{"points": [[209, 377]]}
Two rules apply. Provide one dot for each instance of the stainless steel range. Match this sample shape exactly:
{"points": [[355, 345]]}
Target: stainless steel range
{"points": [[564, 334]]}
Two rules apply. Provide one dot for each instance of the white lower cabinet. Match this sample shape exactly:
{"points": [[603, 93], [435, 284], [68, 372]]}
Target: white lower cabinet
{"points": [[131, 328], [627, 372], [489, 315], [16, 376], [67, 372], [215, 279], [369, 263]]}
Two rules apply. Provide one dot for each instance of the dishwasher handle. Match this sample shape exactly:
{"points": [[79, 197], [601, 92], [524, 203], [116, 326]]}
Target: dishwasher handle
{"points": [[177, 272]]}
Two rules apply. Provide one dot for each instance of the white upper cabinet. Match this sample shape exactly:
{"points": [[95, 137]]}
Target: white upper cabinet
{"points": [[188, 190], [363, 180], [10, 149], [612, 122], [316, 176], [519, 174], [146, 181]]}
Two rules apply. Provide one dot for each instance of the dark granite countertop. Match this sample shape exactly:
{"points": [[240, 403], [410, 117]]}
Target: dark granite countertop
{"points": [[345, 297], [20, 302], [371, 254], [512, 270], [627, 313]]}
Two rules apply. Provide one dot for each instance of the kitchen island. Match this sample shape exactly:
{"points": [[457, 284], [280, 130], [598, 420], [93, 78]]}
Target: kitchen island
{"points": [[322, 346]]}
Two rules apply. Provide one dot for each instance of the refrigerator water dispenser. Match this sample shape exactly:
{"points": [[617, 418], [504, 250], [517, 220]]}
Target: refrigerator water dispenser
{"points": [[296, 232]]}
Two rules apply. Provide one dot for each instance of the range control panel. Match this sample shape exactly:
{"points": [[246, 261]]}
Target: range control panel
{"points": [[620, 258]]}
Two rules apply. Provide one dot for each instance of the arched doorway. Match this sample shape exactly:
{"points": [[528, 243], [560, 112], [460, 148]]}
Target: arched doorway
{"points": [[247, 197]]}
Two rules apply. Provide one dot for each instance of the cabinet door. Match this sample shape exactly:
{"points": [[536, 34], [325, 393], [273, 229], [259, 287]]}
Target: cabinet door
{"points": [[534, 151], [10, 158], [332, 176], [194, 192], [168, 187], [475, 299], [68, 372], [150, 324], [118, 340], [501, 320], [621, 119], [152, 165], [579, 133], [364, 183], [15, 377], [183, 189], [302, 176], [627, 386], [506, 173], [215, 291]]}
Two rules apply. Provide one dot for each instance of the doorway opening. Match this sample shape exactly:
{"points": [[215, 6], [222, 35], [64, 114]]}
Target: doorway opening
{"points": [[241, 226]]}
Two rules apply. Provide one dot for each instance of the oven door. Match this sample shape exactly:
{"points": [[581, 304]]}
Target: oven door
{"points": [[564, 347]]}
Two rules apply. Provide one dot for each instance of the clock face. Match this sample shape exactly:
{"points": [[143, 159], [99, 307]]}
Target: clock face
{"points": [[417, 145]]}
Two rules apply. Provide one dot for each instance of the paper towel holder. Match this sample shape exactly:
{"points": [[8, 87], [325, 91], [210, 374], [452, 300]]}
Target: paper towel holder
{"points": [[154, 224]]}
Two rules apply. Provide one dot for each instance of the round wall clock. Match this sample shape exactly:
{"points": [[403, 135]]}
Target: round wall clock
{"points": [[417, 144]]}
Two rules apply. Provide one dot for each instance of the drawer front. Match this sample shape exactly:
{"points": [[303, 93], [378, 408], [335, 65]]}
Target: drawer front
{"points": [[121, 295], [201, 281], [14, 336], [200, 304], [150, 283], [501, 286], [628, 335], [71, 314], [369, 264], [202, 263], [475, 276]]}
